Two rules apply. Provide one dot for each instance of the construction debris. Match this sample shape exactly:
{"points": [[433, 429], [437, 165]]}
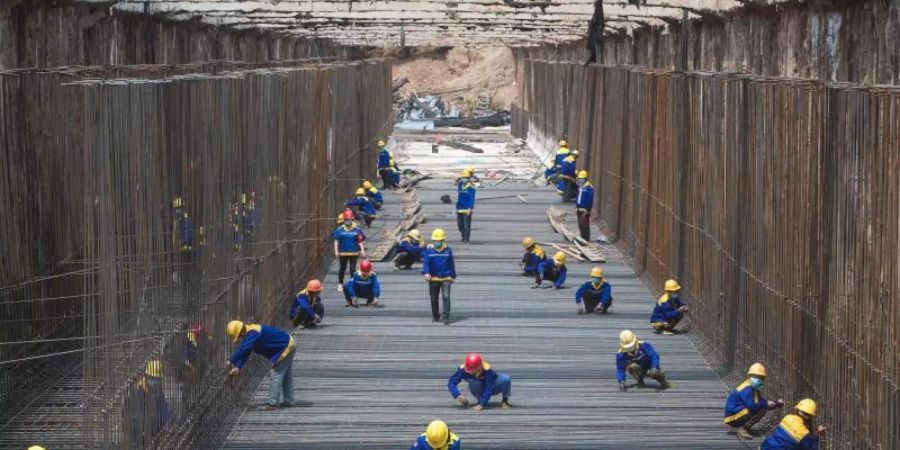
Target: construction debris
{"points": [[589, 250], [390, 237], [463, 146]]}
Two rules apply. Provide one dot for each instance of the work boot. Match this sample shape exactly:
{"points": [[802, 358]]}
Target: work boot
{"points": [[340, 287], [505, 404], [446, 320], [435, 319], [640, 383], [668, 332], [604, 309], [744, 433]]}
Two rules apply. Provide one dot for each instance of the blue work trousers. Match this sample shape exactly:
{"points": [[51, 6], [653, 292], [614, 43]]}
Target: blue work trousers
{"points": [[503, 385]]}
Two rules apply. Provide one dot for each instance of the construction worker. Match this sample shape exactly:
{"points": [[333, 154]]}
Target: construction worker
{"points": [[340, 216], [183, 241], [439, 271], [363, 284], [669, 309], [552, 270], [565, 185], [308, 309], [465, 206], [593, 293], [191, 348], [437, 436], [384, 161], [638, 359], [36, 447], [534, 256], [365, 208], [584, 201], [468, 172], [394, 175], [795, 430], [483, 381], [410, 250], [552, 172], [147, 407], [373, 193], [349, 244], [745, 405], [271, 343]]}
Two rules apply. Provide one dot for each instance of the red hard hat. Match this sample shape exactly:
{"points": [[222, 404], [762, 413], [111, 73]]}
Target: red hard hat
{"points": [[314, 286], [365, 266], [348, 214], [473, 362]]}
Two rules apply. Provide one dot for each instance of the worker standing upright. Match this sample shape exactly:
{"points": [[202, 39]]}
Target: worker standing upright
{"points": [[794, 432], [567, 171], [384, 162], [410, 250], [484, 383], [439, 271], [468, 174], [745, 405], [552, 172], [437, 436], [583, 204], [308, 310], [593, 293], [271, 343], [349, 244], [669, 309], [465, 206], [533, 257], [373, 193], [638, 359], [552, 270], [365, 208], [363, 284]]}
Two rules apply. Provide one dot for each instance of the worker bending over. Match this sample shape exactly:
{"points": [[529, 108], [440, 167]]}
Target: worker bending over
{"points": [[583, 204], [593, 293], [795, 430], [669, 309], [483, 381], [373, 193], [534, 256], [745, 405], [308, 309], [437, 436], [439, 271], [552, 172], [384, 162], [271, 343], [349, 244], [363, 284], [394, 175], [565, 186], [465, 206], [552, 270], [365, 208], [638, 359], [410, 250]]}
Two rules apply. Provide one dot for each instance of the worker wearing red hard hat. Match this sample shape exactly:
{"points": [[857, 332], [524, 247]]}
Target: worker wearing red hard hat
{"points": [[363, 284], [484, 382], [308, 309]]}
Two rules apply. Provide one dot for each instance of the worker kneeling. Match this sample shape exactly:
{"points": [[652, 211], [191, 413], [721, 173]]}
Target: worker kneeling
{"points": [[483, 381], [638, 359], [594, 293], [534, 256], [437, 436], [308, 309], [669, 310], [552, 270], [745, 405], [793, 433], [271, 343], [363, 284]]}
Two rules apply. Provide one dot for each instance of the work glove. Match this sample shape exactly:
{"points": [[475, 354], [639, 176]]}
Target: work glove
{"points": [[462, 400], [427, 277], [622, 386], [318, 318], [821, 429], [234, 372], [653, 373], [580, 308], [478, 408], [683, 309]]}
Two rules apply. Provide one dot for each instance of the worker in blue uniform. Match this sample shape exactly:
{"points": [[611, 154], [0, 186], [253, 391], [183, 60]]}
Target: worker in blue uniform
{"points": [[584, 201], [552, 172], [593, 293], [484, 382], [533, 257], [147, 407], [552, 270], [410, 250], [795, 430], [439, 271], [365, 208], [308, 310], [639, 359], [394, 175], [373, 193], [669, 309], [349, 244], [745, 405], [437, 436], [384, 160], [271, 343], [465, 206], [565, 185], [363, 284], [467, 176]]}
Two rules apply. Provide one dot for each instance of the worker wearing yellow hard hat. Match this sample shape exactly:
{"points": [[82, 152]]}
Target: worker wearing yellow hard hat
{"points": [[437, 436], [147, 398], [467, 175], [365, 207], [409, 251], [271, 343], [639, 359], [439, 271], [552, 172], [584, 202], [373, 193], [746, 405], [568, 170], [593, 293], [465, 206], [795, 430], [669, 309], [552, 270], [384, 164], [534, 256]]}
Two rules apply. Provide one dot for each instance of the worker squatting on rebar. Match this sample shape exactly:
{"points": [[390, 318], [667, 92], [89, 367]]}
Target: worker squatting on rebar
{"points": [[565, 184], [745, 405], [439, 271], [639, 359], [365, 207], [594, 293], [409, 251], [437, 436], [484, 383], [552, 172], [552, 270], [795, 430], [373, 193], [669, 309], [349, 244], [584, 201], [465, 205], [363, 284], [271, 343], [533, 257], [308, 310]]}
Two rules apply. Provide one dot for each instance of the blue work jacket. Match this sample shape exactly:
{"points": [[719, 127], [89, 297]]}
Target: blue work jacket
{"points": [[561, 155], [361, 285], [487, 376], [666, 309], [742, 401], [422, 444], [374, 194], [533, 258], [363, 204], [394, 175], [585, 198], [303, 302], [384, 159], [412, 246], [438, 263], [601, 293], [465, 199], [568, 168], [550, 264], [645, 356], [348, 239], [269, 342], [791, 434]]}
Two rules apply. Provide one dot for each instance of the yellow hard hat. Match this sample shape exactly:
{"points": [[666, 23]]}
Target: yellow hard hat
{"points": [[582, 174], [627, 340], [415, 234], [527, 242], [178, 202], [233, 330], [672, 286], [465, 173], [36, 447], [757, 370], [807, 406], [470, 169], [559, 257], [154, 369], [563, 143], [438, 235], [437, 434], [367, 184], [360, 191], [597, 272], [381, 143]]}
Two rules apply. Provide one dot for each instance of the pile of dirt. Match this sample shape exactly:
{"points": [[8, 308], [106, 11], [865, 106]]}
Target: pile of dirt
{"points": [[460, 75]]}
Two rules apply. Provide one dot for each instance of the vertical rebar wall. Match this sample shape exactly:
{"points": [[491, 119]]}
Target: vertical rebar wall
{"points": [[773, 201], [140, 215]]}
